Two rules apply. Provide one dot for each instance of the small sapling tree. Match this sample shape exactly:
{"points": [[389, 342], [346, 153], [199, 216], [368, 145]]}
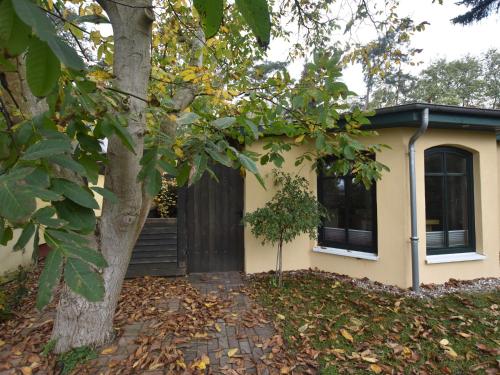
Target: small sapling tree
{"points": [[292, 211]]}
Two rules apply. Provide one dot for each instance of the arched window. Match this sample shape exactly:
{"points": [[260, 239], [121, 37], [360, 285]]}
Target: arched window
{"points": [[351, 222], [449, 201]]}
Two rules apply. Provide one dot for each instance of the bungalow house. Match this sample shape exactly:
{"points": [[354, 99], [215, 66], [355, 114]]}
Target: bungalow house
{"points": [[432, 217], [456, 216]]}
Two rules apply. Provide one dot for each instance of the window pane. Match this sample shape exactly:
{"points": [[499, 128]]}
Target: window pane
{"points": [[434, 163], [434, 218], [457, 211], [334, 200], [455, 163], [360, 216]]}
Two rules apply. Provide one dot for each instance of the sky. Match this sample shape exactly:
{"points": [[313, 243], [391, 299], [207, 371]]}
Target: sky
{"points": [[441, 39]]}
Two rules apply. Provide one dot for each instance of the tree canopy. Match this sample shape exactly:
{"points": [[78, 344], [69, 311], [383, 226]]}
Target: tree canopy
{"points": [[469, 81]]}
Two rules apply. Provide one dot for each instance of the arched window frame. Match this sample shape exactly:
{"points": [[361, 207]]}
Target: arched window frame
{"points": [[469, 176]]}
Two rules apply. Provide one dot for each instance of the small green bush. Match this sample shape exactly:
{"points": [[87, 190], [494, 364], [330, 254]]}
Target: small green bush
{"points": [[292, 211]]}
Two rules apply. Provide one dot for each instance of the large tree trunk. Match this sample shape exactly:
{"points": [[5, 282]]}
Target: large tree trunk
{"points": [[79, 322]]}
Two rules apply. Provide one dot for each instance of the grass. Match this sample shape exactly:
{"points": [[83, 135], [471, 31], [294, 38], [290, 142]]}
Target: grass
{"points": [[355, 330]]}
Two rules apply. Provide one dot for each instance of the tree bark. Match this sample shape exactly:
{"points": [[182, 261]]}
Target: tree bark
{"points": [[79, 322]]}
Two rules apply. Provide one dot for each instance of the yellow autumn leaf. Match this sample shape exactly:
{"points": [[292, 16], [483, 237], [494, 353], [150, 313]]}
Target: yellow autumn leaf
{"points": [[444, 342], [345, 333], [202, 363], [303, 328], [300, 138], [369, 359], [181, 364], [232, 352], [280, 316], [109, 350], [450, 352], [376, 368], [178, 152], [217, 327], [2, 343]]}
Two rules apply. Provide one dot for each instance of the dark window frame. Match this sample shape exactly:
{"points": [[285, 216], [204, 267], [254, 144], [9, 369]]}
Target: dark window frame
{"points": [[469, 176], [373, 249]]}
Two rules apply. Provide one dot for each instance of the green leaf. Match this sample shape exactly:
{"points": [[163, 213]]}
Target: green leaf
{"points": [[26, 234], [19, 39], [83, 280], [7, 15], [198, 168], [187, 118], [248, 163], [16, 174], [183, 175], [45, 148], [16, 204], [45, 216], [36, 245], [123, 134], [68, 163], [256, 14], [33, 16], [167, 167], [66, 54], [210, 12], [48, 279], [152, 182], [5, 142], [66, 236], [87, 254], [74, 192], [43, 194], [79, 218], [349, 152], [6, 236], [224, 122], [42, 68], [106, 194], [219, 157]]}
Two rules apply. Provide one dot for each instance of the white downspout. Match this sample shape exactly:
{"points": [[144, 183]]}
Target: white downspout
{"points": [[424, 123]]}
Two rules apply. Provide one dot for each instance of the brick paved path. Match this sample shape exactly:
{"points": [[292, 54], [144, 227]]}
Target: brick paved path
{"points": [[234, 333], [237, 330]]}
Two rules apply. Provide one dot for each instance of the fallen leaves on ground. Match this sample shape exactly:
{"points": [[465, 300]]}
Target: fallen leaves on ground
{"points": [[355, 330]]}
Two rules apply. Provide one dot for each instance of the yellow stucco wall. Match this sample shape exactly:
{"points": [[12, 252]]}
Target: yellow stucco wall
{"points": [[10, 260], [393, 265]]}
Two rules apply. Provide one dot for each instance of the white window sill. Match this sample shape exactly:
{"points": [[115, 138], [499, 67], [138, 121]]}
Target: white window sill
{"points": [[451, 258], [345, 253]]}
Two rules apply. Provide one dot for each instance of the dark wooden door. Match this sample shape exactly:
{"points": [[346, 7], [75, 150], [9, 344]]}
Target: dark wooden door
{"points": [[211, 214]]}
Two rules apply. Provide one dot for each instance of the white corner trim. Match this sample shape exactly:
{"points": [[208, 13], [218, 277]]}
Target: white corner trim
{"points": [[345, 253], [450, 258]]}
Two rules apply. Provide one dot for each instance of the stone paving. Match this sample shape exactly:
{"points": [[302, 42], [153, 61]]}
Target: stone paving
{"points": [[236, 348], [250, 341]]}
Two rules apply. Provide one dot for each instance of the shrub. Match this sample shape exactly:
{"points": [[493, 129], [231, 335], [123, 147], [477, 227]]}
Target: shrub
{"points": [[292, 211], [166, 200]]}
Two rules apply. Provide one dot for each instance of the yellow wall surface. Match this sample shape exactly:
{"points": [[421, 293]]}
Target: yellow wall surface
{"points": [[393, 265], [10, 260]]}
